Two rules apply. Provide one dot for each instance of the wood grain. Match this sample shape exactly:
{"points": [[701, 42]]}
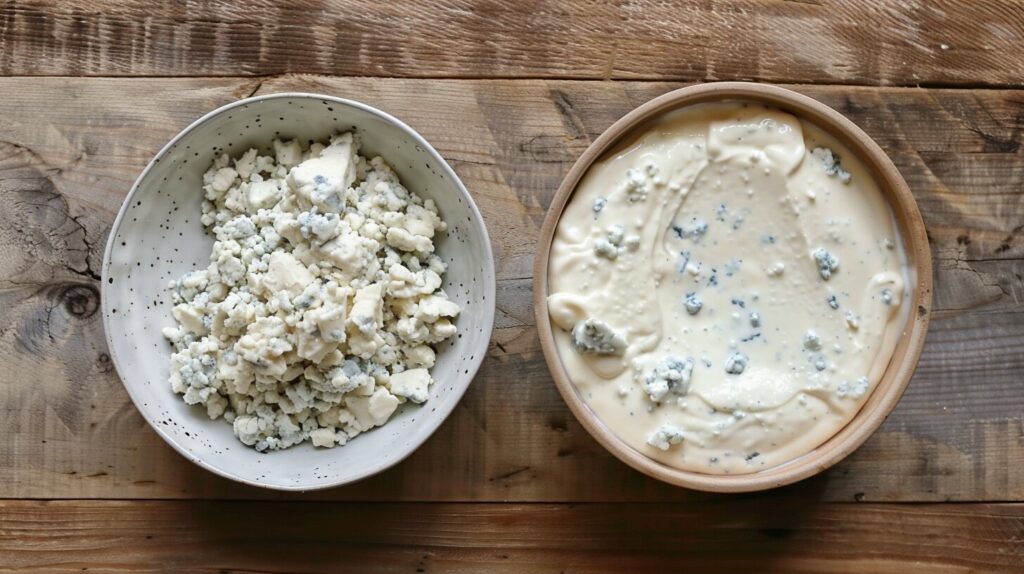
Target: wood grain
{"points": [[68, 160], [725, 535], [868, 42]]}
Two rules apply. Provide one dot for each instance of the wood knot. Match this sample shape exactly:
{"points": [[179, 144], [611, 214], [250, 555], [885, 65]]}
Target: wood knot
{"points": [[103, 362], [80, 300]]}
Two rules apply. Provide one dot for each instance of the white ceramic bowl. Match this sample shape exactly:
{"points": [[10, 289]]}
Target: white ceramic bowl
{"points": [[157, 237]]}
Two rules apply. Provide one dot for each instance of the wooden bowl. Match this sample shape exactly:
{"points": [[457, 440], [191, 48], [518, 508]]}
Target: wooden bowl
{"points": [[908, 349]]}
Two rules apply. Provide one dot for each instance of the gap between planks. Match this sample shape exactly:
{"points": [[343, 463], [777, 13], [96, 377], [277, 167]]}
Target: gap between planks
{"points": [[729, 535], [303, 498], [789, 83]]}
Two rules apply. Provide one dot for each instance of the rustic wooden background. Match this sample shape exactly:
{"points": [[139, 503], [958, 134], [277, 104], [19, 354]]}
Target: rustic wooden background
{"points": [[510, 92]]}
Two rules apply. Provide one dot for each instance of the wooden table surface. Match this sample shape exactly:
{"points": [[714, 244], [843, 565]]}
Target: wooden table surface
{"points": [[510, 93]]}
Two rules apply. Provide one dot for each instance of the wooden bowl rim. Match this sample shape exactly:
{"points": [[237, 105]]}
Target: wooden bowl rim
{"points": [[901, 367]]}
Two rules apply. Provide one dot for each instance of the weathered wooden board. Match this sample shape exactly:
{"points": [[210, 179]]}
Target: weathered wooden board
{"points": [[67, 160], [728, 535], [874, 42]]}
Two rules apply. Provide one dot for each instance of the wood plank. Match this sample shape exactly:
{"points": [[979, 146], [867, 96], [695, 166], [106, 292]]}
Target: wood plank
{"points": [[68, 161], [868, 42], [724, 535]]}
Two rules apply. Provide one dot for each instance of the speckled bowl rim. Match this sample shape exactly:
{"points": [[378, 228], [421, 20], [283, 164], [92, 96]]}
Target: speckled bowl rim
{"points": [[438, 417], [908, 349]]}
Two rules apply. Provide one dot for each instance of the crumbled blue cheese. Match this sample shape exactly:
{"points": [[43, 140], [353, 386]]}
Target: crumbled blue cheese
{"points": [[826, 262], [887, 296], [616, 233], [323, 180], [594, 336], [694, 229], [819, 362], [736, 363], [669, 375], [665, 437], [638, 182], [860, 387], [852, 320], [755, 319], [412, 384], [316, 315], [636, 186], [599, 204], [614, 242], [606, 249], [812, 341], [693, 303], [854, 390], [830, 161], [832, 301]]}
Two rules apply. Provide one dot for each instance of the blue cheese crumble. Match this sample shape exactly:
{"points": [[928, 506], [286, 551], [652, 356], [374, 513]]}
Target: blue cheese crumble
{"points": [[830, 161], [694, 230], [736, 363], [595, 337], [322, 303], [638, 182], [615, 242], [826, 262], [887, 296], [693, 303], [812, 341], [854, 390], [670, 375], [666, 437]]}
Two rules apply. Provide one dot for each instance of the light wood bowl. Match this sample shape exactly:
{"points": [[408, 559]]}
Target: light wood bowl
{"points": [[897, 375]]}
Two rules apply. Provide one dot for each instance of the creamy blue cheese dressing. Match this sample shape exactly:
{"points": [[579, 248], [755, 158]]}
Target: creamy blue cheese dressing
{"points": [[727, 288]]}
